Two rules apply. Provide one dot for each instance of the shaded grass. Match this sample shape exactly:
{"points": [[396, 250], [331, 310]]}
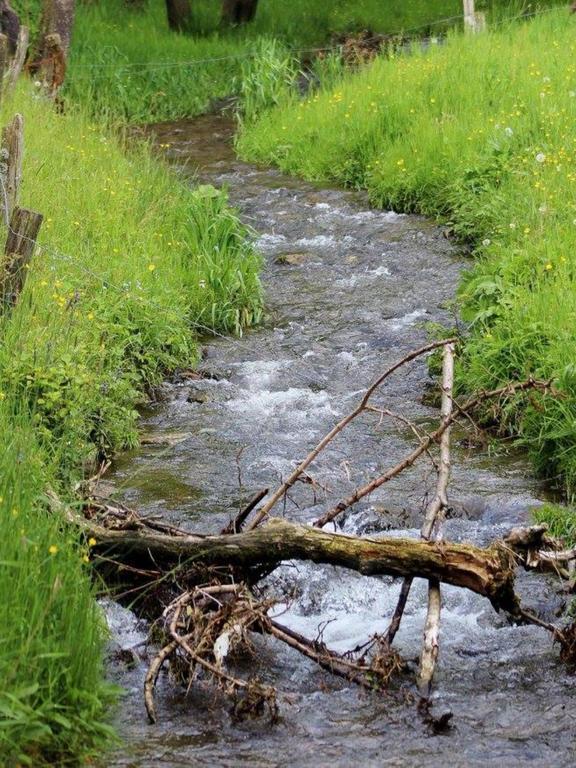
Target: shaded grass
{"points": [[131, 262], [479, 133]]}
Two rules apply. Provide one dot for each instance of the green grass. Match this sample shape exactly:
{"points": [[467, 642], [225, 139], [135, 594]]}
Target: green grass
{"points": [[561, 522], [478, 133], [53, 700], [128, 65], [132, 265]]}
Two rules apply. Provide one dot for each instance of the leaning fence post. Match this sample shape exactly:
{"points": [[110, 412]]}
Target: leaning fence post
{"points": [[19, 58], [11, 165], [3, 62], [20, 243]]}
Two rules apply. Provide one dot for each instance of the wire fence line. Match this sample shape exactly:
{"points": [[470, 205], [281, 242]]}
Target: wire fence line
{"points": [[189, 63], [103, 280]]}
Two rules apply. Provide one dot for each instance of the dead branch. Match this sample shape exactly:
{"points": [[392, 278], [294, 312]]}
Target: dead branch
{"points": [[236, 525], [203, 583], [488, 572], [434, 516], [287, 484], [426, 443]]}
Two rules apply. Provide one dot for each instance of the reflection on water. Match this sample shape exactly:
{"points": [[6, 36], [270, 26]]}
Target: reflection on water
{"points": [[349, 290]]}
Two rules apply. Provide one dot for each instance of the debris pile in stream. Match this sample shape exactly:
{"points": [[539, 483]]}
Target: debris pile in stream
{"points": [[203, 594]]}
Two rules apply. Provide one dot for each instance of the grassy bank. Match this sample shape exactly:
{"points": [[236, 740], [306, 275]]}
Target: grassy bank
{"points": [[479, 133], [130, 263], [128, 65]]}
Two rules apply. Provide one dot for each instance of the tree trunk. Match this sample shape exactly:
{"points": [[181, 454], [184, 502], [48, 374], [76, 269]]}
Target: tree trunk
{"points": [[9, 24], [57, 19], [178, 14], [238, 11]]}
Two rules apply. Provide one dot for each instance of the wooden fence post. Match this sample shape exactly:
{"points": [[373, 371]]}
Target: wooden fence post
{"points": [[473, 21], [57, 18], [20, 244], [54, 65], [11, 165], [4, 53], [19, 58]]}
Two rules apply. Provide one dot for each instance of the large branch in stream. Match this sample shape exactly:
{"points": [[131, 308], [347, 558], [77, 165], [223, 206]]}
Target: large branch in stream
{"points": [[488, 572]]}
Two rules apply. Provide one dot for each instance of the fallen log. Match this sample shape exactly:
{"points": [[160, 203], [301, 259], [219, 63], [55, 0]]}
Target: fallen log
{"points": [[202, 591], [488, 572]]}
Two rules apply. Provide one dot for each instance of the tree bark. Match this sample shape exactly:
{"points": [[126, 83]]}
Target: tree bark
{"points": [[178, 12], [9, 24], [238, 11], [488, 572], [57, 19]]}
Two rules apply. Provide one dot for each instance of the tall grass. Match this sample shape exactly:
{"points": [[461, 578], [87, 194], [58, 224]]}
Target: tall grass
{"points": [[478, 132], [128, 65], [52, 699], [132, 265]]}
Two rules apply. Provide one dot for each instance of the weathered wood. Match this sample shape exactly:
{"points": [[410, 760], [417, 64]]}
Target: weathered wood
{"points": [[3, 62], [362, 406], [11, 165], [474, 21], [57, 19], [20, 244], [488, 572], [434, 516], [53, 65], [426, 442], [439, 501], [19, 58]]}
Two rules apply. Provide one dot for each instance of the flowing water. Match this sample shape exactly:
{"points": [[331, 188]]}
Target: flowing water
{"points": [[348, 290]]}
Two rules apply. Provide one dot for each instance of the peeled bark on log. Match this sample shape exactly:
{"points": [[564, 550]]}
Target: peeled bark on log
{"points": [[488, 572]]}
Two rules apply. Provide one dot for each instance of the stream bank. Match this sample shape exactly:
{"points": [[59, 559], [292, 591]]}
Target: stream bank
{"points": [[349, 290]]}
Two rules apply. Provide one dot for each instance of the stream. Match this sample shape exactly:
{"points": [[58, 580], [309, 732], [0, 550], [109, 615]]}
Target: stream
{"points": [[349, 290]]}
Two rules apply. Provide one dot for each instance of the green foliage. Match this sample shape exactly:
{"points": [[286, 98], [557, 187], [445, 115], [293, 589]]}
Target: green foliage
{"points": [[131, 262], [494, 156], [313, 22], [268, 78], [52, 700], [128, 65], [561, 521]]}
